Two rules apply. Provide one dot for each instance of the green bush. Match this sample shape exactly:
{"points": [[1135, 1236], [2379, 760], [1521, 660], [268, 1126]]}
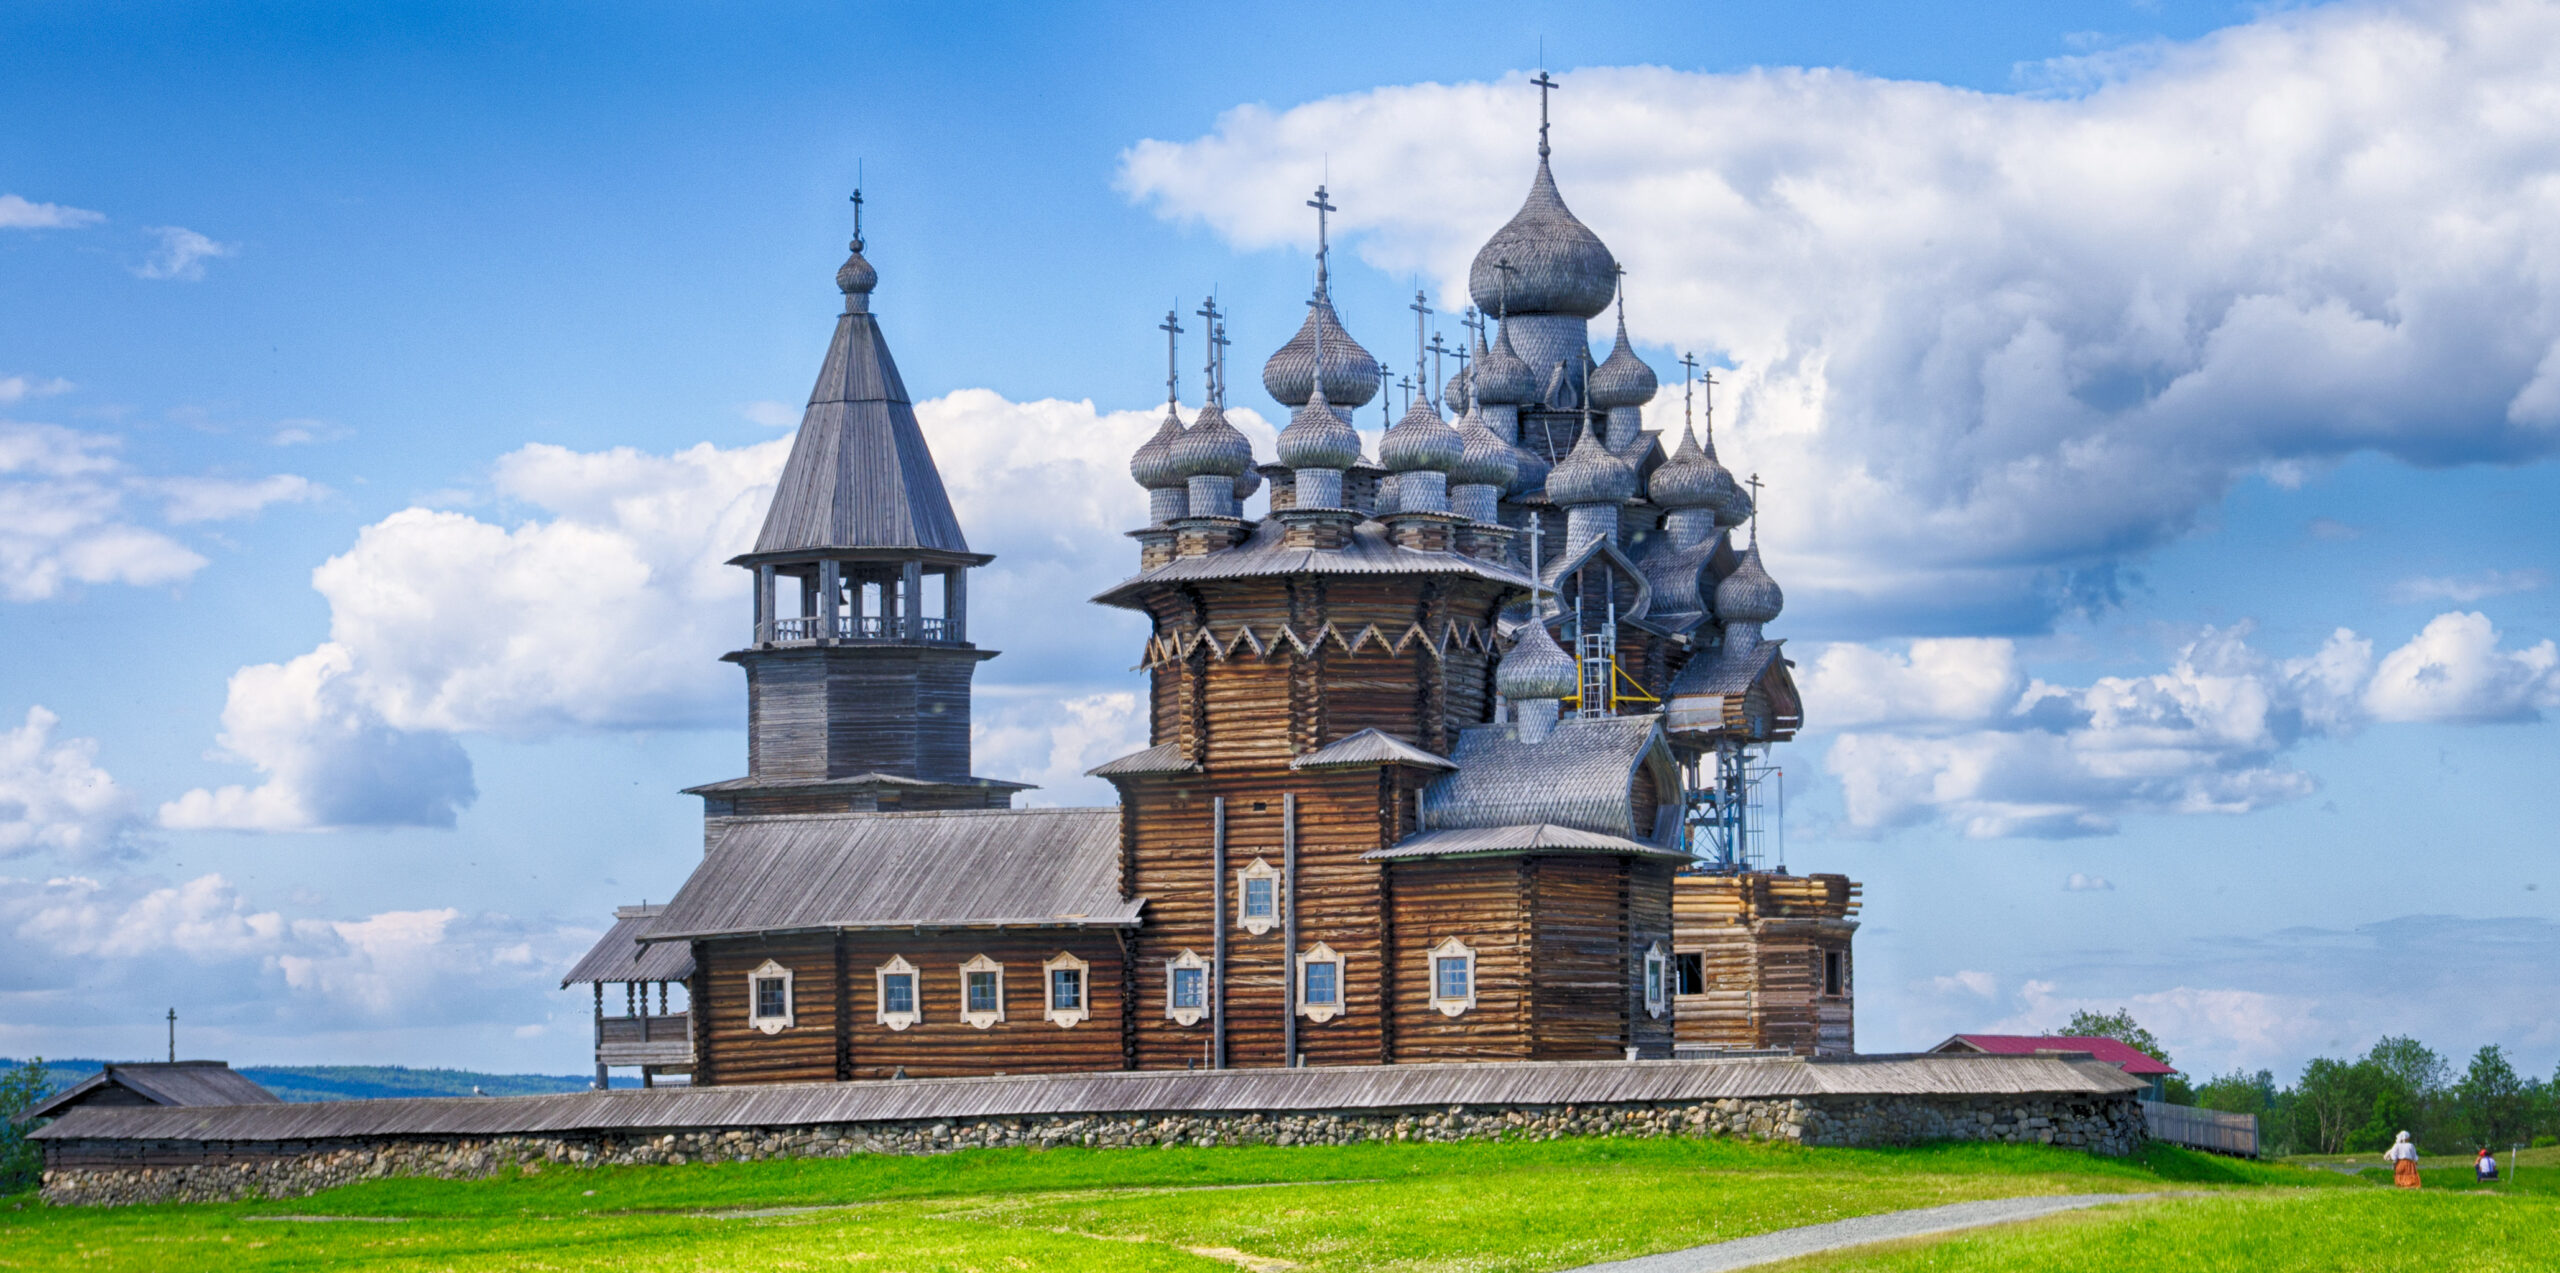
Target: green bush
{"points": [[21, 1165]]}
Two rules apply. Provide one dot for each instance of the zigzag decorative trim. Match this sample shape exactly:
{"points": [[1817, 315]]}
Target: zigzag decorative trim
{"points": [[1177, 647]]}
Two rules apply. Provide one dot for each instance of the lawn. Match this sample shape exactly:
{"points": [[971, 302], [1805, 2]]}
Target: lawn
{"points": [[1474, 1206]]}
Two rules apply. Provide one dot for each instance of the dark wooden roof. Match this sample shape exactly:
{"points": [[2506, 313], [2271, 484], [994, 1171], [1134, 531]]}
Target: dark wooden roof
{"points": [[1266, 553], [1169, 1091], [1581, 775], [959, 869], [860, 475], [156, 1083], [1370, 747], [1163, 758], [620, 956], [848, 783]]}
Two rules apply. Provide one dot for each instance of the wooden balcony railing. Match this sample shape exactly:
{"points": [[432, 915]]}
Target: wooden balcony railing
{"points": [[657, 1039], [867, 627]]}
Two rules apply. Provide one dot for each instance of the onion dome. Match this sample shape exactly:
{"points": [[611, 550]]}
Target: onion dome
{"points": [[1536, 668], [1317, 436], [1455, 392], [1421, 440], [856, 277], [1350, 373], [1623, 380], [1247, 483], [1691, 478], [1531, 469], [1501, 378], [1558, 266], [1591, 474], [1484, 459], [1152, 465], [1210, 447], [1749, 595]]}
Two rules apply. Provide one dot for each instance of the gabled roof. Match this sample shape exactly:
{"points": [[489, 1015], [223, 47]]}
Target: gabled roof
{"points": [[157, 1083], [1680, 578], [2116, 1052], [620, 956], [849, 782], [1554, 571], [1541, 837], [1163, 758], [1370, 747], [859, 475], [1581, 775], [1729, 671], [958, 869], [1266, 553]]}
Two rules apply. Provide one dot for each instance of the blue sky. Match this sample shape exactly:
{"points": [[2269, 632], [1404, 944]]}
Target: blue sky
{"points": [[382, 390]]}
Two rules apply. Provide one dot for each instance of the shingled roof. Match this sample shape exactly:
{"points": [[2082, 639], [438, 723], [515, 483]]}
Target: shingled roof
{"points": [[859, 475], [1581, 775], [979, 868], [620, 956], [156, 1083]]}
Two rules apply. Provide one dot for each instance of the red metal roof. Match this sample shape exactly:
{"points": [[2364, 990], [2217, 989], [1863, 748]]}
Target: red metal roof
{"points": [[2122, 1055]]}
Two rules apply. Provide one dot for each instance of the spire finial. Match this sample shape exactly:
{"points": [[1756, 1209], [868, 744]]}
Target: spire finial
{"points": [[1546, 83], [1503, 299], [1707, 378], [1386, 401], [857, 205], [1210, 335], [1538, 594], [1439, 348], [1688, 368], [1473, 322], [1421, 308], [1324, 247], [1754, 484], [1172, 329], [1621, 270]]}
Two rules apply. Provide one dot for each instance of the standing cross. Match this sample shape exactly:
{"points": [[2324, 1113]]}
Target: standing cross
{"points": [[1208, 313], [1537, 595], [857, 210], [1421, 315], [1438, 348], [1322, 205], [1474, 322], [1688, 369], [1406, 383], [173, 1036], [1708, 379], [1754, 484], [1172, 328], [1544, 83]]}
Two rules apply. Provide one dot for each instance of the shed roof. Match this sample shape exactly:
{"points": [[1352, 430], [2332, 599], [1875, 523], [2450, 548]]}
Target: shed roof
{"points": [[1581, 775], [159, 1083], [620, 956], [978, 868], [2115, 1052], [1370, 747], [1424, 1086], [1541, 837], [860, 475], [1163, 758]]}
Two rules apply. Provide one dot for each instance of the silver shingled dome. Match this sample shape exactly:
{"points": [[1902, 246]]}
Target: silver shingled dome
{"points": [[1421, 440], [1152, 464], [1317, 436], [1535, 668], [1691, 478], [1623, 380], [1502, 378], [1749, 595], [1211, 446], [1591, 474], [1350, 373], [1484, 459], [1558, 266]]}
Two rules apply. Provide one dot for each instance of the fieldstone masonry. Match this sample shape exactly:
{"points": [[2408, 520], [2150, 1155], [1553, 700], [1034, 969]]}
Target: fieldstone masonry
{"points": [[114, 1173]]}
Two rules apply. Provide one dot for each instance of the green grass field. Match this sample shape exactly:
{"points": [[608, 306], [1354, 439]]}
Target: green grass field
{"points": [[1477, 1206]]}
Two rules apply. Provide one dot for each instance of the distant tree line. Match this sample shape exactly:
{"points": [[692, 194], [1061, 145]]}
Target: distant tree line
{"points": [[2361, 1105]]}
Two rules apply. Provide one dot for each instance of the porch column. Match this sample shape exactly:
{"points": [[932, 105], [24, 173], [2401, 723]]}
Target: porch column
{"points": [[911, 588]]}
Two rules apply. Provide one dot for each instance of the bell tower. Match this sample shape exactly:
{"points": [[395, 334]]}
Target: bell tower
{"points": [[859, 660]]}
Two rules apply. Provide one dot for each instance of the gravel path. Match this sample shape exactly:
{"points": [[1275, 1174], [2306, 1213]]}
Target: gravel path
{"points": [[1787, 1244]]}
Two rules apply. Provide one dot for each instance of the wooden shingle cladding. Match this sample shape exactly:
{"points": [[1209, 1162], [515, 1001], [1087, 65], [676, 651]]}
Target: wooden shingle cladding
{"points": [[1765, 941], [836, 1032], [832, 711]]}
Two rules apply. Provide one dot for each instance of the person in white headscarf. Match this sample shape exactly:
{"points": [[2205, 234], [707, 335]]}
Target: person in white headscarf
{"points": [[2403, 1157]]}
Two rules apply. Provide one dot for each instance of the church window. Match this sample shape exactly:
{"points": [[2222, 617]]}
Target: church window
{"points": [[899, 1003], [1689, 973], [1320, 983], [1453, 977], [1657, 969], [769, 998], [1186, 997], [1258, 897], [982, 992], [1065, 990]]}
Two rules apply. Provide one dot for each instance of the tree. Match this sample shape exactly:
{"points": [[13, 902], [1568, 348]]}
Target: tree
{"points": [[20, 1089], [2495, 1106], [2240, 1092], [2120, 1026], [2415, 1066], [2332, 1099]]}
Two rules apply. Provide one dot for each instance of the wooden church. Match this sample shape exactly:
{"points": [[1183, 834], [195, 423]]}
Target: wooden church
{"points": [[1454, 750]]}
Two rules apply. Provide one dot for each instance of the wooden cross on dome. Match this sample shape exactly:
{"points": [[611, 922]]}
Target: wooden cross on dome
{"points": [[1545, 84]]}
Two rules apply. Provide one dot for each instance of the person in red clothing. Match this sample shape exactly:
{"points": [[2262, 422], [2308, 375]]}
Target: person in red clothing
{"points": [[2486, 1169]]}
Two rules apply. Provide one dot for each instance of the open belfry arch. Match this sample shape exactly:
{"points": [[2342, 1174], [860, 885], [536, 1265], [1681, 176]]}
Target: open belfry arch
{"points": [[1455, 753]]}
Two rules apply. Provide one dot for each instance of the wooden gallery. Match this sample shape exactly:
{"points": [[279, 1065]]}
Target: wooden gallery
{"points": [[1456, 750]]}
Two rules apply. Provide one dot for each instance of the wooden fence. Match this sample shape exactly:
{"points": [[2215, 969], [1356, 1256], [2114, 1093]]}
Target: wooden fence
{"points": [[2206, 1129]]}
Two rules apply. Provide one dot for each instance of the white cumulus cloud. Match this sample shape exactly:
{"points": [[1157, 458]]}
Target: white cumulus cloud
{"points": [[1991, 347], [55, 798], [20, 213], [66, 514], [1944, 734], [182, 254]]}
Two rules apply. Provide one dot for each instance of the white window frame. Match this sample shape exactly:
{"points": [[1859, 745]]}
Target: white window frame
{"points": [[898, 967], [770, 1025], [1049, 1009], [1452, 948], [1657, 979], [1187, 1016], [1259, 924], [979, 1017], [1321, 1012]]}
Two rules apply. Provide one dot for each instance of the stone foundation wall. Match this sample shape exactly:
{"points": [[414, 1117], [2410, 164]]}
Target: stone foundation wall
{"points": [[113, 1173]]}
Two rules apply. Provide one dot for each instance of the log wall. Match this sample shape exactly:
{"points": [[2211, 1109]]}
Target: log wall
{"points": [[1763, 939]]}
